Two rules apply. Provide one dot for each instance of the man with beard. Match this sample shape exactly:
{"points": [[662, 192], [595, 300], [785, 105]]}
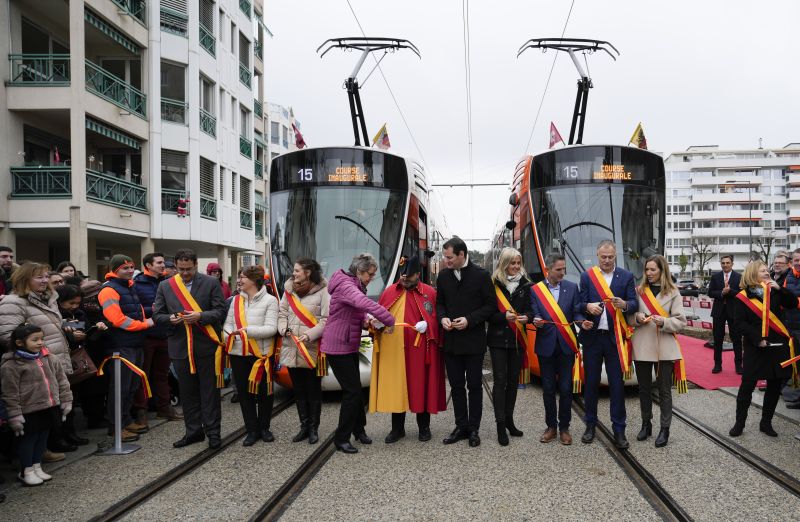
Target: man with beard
{"points": [[6, 268]]}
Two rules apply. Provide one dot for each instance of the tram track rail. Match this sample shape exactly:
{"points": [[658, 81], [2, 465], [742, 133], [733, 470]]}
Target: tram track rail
{"points": [[650, 488], [759, 407], [154, 487]]}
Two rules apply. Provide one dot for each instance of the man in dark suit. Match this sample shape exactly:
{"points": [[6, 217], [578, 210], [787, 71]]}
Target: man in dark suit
{"points": [[465, 299], [722, 289], [555, 347], [600, 343], [173, 307]]}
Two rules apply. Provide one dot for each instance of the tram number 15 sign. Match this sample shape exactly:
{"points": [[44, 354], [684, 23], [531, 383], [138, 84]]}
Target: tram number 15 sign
{"points": [[305, 175], [598, 173]]}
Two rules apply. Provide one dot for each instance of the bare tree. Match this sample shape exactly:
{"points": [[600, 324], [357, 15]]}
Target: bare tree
{"points": [[702, 253], [764, 245]]}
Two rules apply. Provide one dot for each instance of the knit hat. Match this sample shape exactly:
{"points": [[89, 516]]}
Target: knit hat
{"points": [[117, 261]]}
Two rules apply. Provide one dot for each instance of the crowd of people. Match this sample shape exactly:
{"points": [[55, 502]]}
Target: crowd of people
{"points": [[168, 315]]}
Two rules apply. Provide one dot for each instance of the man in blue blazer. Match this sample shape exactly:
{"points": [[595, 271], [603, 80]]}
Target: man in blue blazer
{"points": [[554, 351], [600, 344]]}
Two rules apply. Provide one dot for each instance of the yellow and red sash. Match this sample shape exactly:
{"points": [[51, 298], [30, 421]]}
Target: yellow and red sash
{"points": [[519, 332], [622, 332], [655, 308], [188, 303], [564, 327], [769, 321], [249, 346], [135, 369], [308, 319]]}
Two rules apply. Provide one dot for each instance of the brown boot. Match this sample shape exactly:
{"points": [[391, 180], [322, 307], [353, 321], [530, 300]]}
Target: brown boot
{"points": [[141, 417], [566, 438], [136, 428], [549, 435], [128, 436], [170, 414], [51, 456]]}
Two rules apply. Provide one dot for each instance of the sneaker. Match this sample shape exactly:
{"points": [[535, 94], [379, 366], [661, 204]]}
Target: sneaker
{"points": [[135, 427], [51, 456]]}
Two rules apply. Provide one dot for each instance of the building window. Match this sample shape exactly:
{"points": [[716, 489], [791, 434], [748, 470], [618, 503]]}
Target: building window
{"points": [[206, 178], [221, 25], [244, 122], [244, 50], [222, 183], [174, 167], [234, 177], [274, 133], [207, 95], [244, 193]]}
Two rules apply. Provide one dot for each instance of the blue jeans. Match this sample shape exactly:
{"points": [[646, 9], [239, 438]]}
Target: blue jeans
{"points": [[604, 348], [557, 367]]}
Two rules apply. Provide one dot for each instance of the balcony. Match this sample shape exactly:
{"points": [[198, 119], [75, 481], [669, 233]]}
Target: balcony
{"points": [[258, 169], [244, 74], [246, 7], [173, 111], [727, 214], [246, 219], [169, 200], [245, 147], [37, 70], [135, 8], [259, 48], [208, 208], [727, 197], [174, 22], [207, 40], [259, 230], [727, 232], [793, 179], [258, 109], [116, 192], [794, 195], [40, 182], [208, 123], [115, 90]]}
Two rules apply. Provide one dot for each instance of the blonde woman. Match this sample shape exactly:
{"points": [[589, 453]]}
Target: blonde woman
{"points": [[659, 318], [506, 340], [762, 354]]}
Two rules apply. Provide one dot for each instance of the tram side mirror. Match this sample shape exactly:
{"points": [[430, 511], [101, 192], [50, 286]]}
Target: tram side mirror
{"points": [[429, 253], [513, 199], [510, 225]]}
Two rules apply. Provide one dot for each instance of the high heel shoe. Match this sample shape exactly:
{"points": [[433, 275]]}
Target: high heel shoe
{"points": [[646, 431]]}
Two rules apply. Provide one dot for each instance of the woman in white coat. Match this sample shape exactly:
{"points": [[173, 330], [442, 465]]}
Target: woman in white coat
{"points": [[659, 318], [250, 328]]}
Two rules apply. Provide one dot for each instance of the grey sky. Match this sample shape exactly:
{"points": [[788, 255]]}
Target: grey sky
{"points": [[694, 73]]}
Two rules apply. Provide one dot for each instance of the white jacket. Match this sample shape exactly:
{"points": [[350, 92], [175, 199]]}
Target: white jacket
{"points": [[262, 321]]}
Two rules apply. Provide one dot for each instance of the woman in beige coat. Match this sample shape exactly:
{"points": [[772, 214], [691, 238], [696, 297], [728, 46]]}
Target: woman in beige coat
{"points": [[654, 344], [308, 288]]}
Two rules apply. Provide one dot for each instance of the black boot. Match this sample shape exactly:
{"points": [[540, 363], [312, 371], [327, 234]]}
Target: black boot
{"points": [[68, 430], [512, 430], [663, 438], [646, 431], [302, 412], [771, 399], [315, 409], [502, 436], [741, 418]]}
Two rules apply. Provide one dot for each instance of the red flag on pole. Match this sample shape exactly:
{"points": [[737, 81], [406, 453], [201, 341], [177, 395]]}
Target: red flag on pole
{"points": [[299, 142], [57, 156], [638, 138], [555, 136]]}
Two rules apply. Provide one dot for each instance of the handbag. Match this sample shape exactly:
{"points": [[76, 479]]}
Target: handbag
{"points": [[82, 366]]}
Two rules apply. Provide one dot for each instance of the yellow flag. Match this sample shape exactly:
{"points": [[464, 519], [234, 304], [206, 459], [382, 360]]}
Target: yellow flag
{"points": [[638, 138]]}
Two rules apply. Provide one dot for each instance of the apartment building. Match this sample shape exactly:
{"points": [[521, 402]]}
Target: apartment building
{"points": [[119, 113], [738, 202]]}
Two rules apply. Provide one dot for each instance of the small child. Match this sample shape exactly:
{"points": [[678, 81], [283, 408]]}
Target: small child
{"points": [[34, 384]]}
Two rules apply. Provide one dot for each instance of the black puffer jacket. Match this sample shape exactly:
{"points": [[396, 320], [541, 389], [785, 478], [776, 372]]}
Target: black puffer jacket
{"points": [[500, 334]]}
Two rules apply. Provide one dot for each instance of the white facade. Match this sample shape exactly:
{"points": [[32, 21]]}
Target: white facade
{"points": [[114, 111], [723, 197]]}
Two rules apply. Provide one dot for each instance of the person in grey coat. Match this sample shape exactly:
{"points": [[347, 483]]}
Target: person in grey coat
{"points": [[199, 393]]}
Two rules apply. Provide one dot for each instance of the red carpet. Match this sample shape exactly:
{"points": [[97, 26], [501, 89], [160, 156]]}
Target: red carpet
{"points": [[700, 361]]}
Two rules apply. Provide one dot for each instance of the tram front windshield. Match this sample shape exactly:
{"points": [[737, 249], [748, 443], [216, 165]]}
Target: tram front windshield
{"points": [[332, 224], [574, 219]]}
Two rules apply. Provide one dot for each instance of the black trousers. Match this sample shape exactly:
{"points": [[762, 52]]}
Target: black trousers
{"points": [[466, 370], [256, 409], [307, 386], [200, 396], [556, 372], [399, 421], [505, 371], [719, 337], [352, 418], [644, 374], [771, 397]]}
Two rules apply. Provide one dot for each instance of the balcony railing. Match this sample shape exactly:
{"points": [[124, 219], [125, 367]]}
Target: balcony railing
{"points": [[245, 147], [40, 182], [135, 8], [39, 69], [259, 48], [258, 108], [174, 22], [208, 123], [169, 200], [258, 169], [246, 219], [208, 208], [109, 190], [259, 229], [245, 6], [244, 74], [173, 110], [115, 90], [207, 40]]}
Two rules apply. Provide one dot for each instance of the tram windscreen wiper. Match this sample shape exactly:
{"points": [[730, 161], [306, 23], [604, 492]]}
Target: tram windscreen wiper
{"points": [[565, 246], [359, 225]]}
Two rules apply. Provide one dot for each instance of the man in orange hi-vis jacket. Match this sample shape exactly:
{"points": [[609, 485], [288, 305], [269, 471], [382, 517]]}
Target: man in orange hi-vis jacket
{"points": [[126, 335]]}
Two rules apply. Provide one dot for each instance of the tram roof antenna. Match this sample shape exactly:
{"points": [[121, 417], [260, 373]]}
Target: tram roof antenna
{"points": [[366, 45], [572, 46]]}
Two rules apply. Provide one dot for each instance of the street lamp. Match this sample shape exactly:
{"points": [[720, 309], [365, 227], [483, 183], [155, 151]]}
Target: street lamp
{"points": [[749, 208]]}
